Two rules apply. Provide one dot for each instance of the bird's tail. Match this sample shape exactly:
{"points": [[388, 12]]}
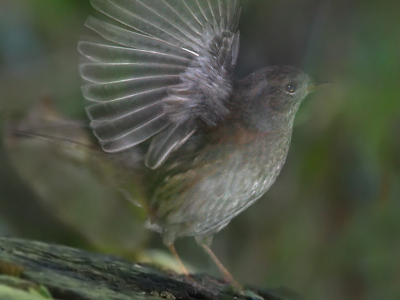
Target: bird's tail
{"points": [[71, 141]]}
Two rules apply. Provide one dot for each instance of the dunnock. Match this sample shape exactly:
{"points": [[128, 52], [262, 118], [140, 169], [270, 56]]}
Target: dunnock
{"points": [[164, 104]]}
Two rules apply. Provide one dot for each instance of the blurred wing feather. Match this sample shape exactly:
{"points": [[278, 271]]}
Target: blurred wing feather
{"points": [[159, 68]]}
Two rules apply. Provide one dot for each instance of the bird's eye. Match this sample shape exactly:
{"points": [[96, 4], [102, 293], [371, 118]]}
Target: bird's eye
{"points": [[291, 88]]}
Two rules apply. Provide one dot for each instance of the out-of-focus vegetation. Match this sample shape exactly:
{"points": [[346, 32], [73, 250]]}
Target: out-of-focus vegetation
{"points": [[329, 228]]}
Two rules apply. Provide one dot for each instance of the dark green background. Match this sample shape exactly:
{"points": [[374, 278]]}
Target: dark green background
{"points": [[329, 228]]}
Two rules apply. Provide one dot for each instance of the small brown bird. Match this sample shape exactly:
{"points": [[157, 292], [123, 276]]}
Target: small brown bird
{"points": [[201, 146]]}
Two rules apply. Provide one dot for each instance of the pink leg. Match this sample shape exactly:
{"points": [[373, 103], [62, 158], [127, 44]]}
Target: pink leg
{"points": [[181, 265], [227, 276]]}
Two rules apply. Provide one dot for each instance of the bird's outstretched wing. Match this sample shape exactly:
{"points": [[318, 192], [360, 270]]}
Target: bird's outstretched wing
{"points": [[159, 69]]}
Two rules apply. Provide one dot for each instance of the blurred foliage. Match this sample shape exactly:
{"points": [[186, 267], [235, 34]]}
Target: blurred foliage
{"points": [[329, 228]]}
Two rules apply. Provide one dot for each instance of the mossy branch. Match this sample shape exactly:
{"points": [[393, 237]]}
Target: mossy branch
{"points": [[35, 270]]}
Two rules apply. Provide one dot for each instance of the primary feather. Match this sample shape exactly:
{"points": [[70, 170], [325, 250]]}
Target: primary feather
{"points": [[159, 70]]}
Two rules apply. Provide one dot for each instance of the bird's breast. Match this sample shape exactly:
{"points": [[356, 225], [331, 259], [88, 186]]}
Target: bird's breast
{"points": [[226, 177]]}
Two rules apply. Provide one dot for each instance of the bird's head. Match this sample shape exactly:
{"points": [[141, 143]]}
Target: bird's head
{"points": [[271, 97]]}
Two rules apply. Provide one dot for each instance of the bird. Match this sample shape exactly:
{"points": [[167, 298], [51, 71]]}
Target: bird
{"points": [[199, 145]]}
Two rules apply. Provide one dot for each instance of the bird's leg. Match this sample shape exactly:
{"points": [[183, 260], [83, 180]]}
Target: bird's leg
{"points": [[225, 273], [181, 265], [227, 276], [205, 242]]}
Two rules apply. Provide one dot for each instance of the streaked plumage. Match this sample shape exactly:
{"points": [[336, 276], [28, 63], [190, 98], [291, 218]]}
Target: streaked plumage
{"points": [[160, 78]]}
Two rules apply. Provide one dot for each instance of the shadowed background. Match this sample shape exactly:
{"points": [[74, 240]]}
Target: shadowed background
{"points": [[328, 228]]}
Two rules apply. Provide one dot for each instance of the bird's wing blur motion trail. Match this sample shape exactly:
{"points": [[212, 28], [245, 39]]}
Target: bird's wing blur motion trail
{"points": [[44, 122], [162, 68]]}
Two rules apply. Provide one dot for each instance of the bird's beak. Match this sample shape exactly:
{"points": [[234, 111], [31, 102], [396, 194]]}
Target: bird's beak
{"points": [[317, 84]]}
